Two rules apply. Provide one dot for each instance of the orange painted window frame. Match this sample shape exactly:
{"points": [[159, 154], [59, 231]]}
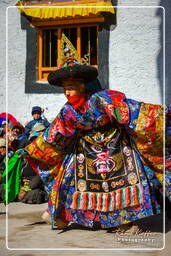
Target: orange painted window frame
{"points": [[42, 72]]}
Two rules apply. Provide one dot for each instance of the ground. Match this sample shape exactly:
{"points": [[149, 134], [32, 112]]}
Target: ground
{"points": [[25, 234]]}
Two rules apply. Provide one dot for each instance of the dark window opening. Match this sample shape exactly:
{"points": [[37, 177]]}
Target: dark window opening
{"points": [[71, 34], [89, 44], [49, 48]]}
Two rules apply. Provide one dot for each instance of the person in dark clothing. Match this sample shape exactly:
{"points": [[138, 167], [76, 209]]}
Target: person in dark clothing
{"points": [[27, 170], [37, 118], [15, 135], [32, 189], [3, 163]]}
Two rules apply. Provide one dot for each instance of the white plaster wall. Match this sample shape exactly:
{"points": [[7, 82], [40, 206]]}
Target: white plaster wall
{"points": [[133, 51], [19, 103]]}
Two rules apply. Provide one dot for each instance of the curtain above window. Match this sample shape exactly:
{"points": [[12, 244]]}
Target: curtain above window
{"points": [[64, 8]]}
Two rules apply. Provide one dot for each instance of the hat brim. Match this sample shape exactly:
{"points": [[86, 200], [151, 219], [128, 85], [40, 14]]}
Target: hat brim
{"points": [[87, 73]]}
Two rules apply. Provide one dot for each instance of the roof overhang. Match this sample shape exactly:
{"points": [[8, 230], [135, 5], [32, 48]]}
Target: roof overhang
{"points": [[64, 8]]}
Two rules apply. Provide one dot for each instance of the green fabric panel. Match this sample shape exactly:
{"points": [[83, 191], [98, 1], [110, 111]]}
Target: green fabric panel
{"points": [[12, 172]]}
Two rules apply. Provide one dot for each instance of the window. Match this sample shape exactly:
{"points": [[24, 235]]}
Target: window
{"points": [[52, 40]]}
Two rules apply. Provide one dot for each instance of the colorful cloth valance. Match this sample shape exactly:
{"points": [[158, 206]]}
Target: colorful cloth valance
{"points": [[64, 8]]}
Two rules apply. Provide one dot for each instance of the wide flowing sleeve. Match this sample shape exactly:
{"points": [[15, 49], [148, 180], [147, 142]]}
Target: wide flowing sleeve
{"points": [[63, 126], [143, 122], [51, 147], [146, 128]]}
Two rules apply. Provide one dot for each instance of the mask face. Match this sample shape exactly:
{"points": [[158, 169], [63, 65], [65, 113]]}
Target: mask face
{"points": [[105, 161], [103, 153]]}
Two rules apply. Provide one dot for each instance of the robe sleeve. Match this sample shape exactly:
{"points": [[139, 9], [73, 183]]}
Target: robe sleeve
{"points": [[146, 128]]}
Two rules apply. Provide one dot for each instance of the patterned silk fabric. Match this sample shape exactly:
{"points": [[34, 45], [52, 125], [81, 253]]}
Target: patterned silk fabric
{"points": [[104, 164]]}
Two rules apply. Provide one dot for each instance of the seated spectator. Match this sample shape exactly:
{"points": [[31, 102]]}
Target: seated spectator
{"points": [[2, 147], [6, 117], [15, 136], [1, 131], [27, 171], [10, 129], [37, 118], [18, 129], [32, 189], [37, 130], [3, 164], [2, 154]]}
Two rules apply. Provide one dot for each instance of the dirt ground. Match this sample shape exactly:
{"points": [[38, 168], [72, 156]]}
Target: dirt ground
{"points": [[23, 233]]}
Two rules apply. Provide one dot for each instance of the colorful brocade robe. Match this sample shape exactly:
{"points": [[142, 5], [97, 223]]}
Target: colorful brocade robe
{"points": [[105, 164]]}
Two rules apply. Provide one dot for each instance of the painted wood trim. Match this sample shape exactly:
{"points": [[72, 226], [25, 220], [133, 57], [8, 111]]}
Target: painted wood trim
{"points": [[79, 42], [40, 52], [59, 45], [97, 42], [67, 22], [48, 68]]}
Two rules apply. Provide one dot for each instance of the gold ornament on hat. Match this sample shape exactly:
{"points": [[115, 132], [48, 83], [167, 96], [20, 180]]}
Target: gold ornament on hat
{"points": [[73, 52]]}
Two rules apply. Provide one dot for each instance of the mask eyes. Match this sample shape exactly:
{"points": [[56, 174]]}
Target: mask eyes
{"points": [[111, 144], [96, 149]]}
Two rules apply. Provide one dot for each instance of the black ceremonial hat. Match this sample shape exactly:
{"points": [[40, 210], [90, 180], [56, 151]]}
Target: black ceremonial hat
{"points": [[72, 69]]}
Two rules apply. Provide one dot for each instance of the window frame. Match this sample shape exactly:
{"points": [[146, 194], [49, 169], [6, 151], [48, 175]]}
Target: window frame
{"points": [[59, 25]]}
